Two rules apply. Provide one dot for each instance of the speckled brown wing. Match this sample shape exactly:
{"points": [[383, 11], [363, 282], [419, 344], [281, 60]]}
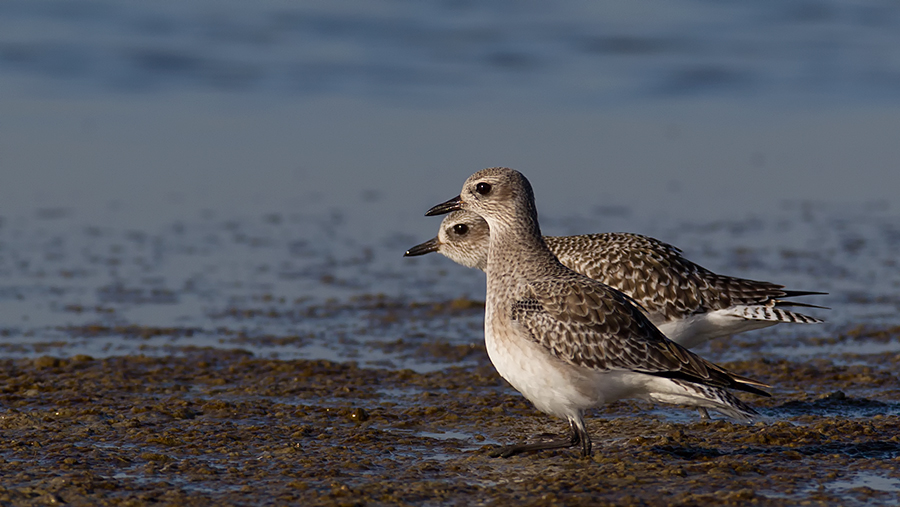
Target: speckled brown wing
{"points": [[589, 324], [657, 276]]}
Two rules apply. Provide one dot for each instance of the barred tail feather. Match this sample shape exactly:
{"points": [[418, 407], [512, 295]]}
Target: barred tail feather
{"points": [[770, 314], [703, 396]]}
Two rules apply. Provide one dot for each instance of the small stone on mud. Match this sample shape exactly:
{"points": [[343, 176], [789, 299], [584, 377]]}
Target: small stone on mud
{"points": [[46, 362], [359, 414]]}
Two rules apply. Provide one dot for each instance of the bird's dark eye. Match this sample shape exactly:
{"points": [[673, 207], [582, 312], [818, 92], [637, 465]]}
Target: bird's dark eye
{"points": [[483, 188], [460, 229]]}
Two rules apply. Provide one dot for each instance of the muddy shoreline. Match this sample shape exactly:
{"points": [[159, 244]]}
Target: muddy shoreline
{"points": [[211, 426]]}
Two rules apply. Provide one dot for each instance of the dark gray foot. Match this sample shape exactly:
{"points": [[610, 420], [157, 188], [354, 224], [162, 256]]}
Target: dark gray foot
{"points": [[703, 413], [579, 437], [511, 450]]}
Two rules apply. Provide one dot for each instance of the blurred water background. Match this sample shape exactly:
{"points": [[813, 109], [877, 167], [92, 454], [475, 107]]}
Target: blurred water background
{"points": [[248, 174]]}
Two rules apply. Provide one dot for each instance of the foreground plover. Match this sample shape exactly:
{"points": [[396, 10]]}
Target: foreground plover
{"points": [[568, 342], [687, 302]]}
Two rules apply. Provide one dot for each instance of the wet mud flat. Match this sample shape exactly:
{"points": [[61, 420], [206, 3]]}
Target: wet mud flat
{"points": [[210, 426]]}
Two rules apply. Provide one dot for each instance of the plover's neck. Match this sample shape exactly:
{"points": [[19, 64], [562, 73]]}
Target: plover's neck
{"points": [[517, 251]]}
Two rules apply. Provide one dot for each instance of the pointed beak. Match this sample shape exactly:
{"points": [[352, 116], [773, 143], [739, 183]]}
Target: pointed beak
{"points": [[443, 208], [427, 247]]}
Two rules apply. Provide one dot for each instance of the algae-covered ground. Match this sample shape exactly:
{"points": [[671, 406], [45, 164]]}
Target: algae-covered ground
{"points": [[208, 426], [205, 204], [227, 362]]}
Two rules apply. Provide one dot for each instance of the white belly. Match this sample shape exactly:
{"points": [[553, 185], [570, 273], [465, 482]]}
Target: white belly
{"points": [[555, 387], [565, 390]]}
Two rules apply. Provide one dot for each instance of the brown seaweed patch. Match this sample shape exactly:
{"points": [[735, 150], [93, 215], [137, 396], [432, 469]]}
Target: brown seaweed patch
{"points": [[432, 351], [225, 428]]}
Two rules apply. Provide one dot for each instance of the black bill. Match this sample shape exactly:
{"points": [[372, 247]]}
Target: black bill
{"points": [[443, 208], [427, 247]]}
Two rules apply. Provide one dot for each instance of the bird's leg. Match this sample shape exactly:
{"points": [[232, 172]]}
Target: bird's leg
{"points": [[579, 436], [512, 450]]}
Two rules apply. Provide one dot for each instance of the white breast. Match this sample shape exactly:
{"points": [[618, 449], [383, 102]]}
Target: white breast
{"points": [[555, 387]]}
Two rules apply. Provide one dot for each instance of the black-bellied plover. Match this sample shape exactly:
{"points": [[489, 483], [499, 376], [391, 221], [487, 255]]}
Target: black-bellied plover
{"points": [[687, 302], [568, 342]]}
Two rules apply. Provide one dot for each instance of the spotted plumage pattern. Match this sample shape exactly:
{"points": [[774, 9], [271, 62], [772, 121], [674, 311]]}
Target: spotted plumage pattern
{"points": [[657, 275], [722, 400], [568, 342], [689, 303], [589, 324]]}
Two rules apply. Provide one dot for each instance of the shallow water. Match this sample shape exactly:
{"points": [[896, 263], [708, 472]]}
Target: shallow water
{"points": [[867, 480], [294, 286], [246, 176]]}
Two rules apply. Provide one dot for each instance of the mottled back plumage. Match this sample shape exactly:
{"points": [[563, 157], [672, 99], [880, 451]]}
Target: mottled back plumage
{"points": [[595, 326], [657, 275], [671, 288], [568, 342]]}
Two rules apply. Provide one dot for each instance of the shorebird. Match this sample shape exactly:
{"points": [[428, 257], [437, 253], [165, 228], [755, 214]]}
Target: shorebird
{"points": [[568, 342], [688, 303]]}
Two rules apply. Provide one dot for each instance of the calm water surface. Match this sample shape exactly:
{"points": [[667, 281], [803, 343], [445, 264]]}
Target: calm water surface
{"points": [[248, 175]]}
